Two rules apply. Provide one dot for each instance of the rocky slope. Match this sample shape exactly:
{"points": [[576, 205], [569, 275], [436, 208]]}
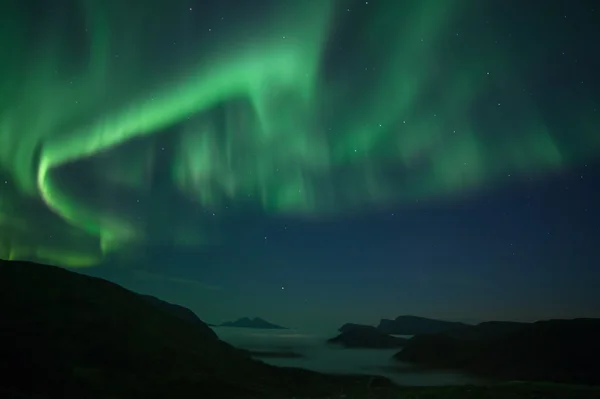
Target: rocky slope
{"points": [[178, 310]]}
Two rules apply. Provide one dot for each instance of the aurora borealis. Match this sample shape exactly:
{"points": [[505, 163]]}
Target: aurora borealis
{"points": [[128, 124]]}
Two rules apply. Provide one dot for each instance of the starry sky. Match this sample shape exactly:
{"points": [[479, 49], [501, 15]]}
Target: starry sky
{"points": [[309, 162]]}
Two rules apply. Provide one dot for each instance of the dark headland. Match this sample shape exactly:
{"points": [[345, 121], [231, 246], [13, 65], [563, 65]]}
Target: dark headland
{"points": [[359, 336], [565, 351], [67, 335], [413, 325], [381, 337]]}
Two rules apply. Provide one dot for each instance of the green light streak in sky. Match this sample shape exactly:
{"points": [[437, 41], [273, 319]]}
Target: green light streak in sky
{"points": [[261, 115]]}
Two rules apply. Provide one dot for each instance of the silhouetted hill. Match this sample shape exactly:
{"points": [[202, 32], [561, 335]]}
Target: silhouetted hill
{"points": [[60, 327], [351, 326], [485, 330], [178, 310], [256, 322], [67, 335], [556, 350], [413, 325], [366, 337]]}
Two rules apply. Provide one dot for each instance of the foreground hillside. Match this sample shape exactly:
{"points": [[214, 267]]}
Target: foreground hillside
{"points": [[63, 334], [66, 335]]}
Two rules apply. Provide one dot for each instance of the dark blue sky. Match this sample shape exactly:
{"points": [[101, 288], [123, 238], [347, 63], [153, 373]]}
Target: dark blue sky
{"points": [[522, 250]]}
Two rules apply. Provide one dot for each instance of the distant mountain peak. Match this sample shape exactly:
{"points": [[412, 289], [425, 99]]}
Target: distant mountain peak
{"points": [[256, 322]]}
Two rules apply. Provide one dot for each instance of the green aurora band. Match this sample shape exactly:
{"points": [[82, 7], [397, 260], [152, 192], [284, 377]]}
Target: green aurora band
{"points": [[257, 112]]}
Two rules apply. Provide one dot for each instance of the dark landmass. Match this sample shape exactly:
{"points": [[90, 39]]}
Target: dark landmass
{"points": [[408, 325], [366, 337], [67, 335], [351, 326], [486, 330], [257, 322], [566, 351], [178, 310], [413, 325]]}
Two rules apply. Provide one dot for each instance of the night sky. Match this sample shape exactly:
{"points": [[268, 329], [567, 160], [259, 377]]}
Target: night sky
{"points": [[310, 162]]}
